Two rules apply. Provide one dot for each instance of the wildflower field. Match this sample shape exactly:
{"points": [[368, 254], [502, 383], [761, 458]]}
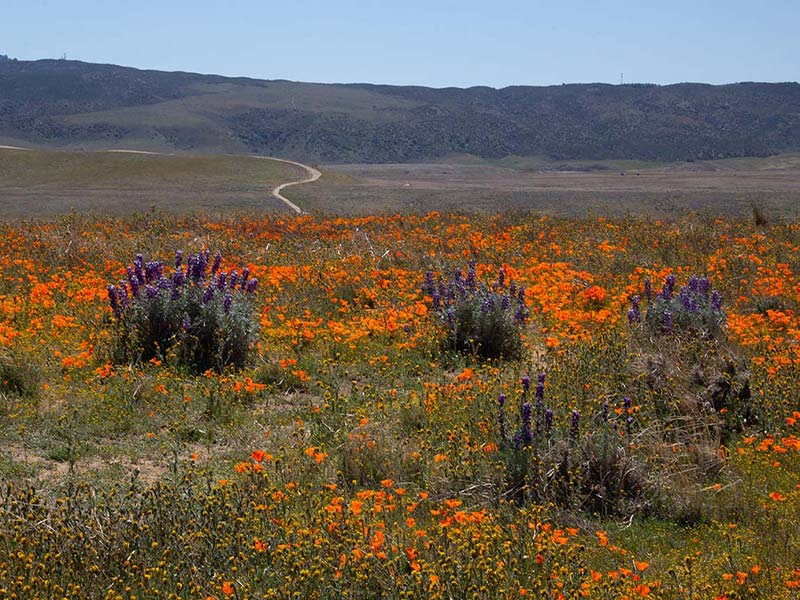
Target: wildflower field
{"points": [[430, 406]]}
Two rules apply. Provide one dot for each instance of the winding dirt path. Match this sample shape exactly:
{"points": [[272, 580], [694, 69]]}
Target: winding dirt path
{"points": [[312, 173]]}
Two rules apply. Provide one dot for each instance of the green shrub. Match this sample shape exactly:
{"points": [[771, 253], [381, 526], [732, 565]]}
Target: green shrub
{"points": [[694, 309], [18, 375], [200, 318], [479, 320]]}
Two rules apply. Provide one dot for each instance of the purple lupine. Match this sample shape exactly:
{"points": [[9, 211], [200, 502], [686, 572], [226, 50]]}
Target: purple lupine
{"points": [[626, 403], [217, 262], [521, 314], [191, 267], [526, 384], [133, 280], [471, 281], [505, 302], [667, 321], [704, 286], [716, 301], [199, 266], [501, 415], [487, 305], [539, 390], [634, 312], [186, 323], [138, 261], [151, 291], [178, 279], [428, 284], [252, 284], [208, 294], [221, 279], [202, 264], [669, 286], [245, 275], [548, 420], [512, 288], [114, 301], [178, 259], [501, 277], [648, 289], [122, 294], [685, 298], [226, 303], [163, 283], [527, 434], [137, 271], [574, 424], [153, 270], [234, 278], [604, 412], [437, 300]]}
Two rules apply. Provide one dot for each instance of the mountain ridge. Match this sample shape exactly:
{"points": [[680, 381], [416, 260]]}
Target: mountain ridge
{"points": [[64, 103]]}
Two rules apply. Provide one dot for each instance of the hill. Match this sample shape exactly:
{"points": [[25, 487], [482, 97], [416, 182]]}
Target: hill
{"points": [[59, 103]]}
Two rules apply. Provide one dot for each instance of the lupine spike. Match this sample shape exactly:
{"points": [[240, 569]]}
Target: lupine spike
{"points": [[527, 434], [575, 424]]}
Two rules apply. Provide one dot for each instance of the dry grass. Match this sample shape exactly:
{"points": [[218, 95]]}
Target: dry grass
{"points": [[39, 184], [621, 188]]}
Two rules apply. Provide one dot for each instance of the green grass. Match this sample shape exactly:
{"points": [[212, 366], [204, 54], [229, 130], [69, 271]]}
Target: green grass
{"points": [[36, 184]]}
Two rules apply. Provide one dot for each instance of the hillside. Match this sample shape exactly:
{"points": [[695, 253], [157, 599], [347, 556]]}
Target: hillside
{"points": [[59, 103]]}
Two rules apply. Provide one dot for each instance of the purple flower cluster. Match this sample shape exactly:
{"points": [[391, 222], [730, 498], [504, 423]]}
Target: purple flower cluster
{"points": [[445, 295], [195, 275], [574, 424], [695, 306], [480, 319], [535, 419]]}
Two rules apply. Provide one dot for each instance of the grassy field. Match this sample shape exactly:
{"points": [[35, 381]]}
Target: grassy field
{"points": [[358, 455], [47, 183], [571, 189], [38, 183]]}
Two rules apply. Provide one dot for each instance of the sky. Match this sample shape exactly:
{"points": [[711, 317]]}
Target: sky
{"points": [[412, 42]]}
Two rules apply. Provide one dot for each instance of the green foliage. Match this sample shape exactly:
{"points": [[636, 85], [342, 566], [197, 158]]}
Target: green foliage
{"points": [[200, 322], [480, 320], [18, 375], [694, 309]]}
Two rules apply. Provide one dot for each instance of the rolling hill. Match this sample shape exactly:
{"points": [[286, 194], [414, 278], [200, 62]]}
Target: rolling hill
{"points": [[71, 104]]}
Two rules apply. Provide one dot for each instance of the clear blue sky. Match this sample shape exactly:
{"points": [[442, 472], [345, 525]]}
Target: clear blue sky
{"points": [[435, 43]]}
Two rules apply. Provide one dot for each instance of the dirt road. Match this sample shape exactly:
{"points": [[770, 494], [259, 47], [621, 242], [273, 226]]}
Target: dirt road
{"points": [[313, 175]]}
